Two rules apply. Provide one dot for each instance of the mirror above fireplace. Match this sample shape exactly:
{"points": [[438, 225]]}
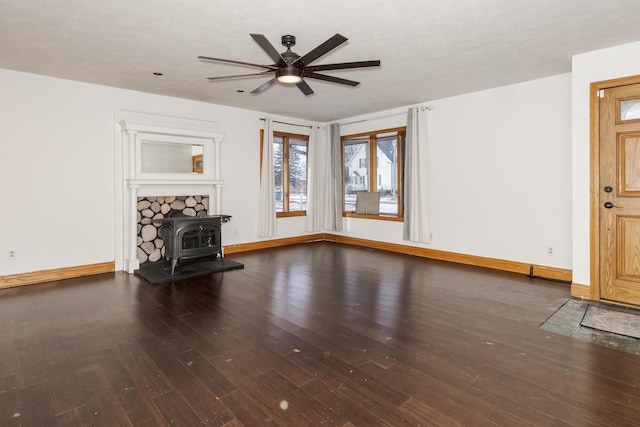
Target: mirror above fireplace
{"points": [[170, 148], [160, 157]]}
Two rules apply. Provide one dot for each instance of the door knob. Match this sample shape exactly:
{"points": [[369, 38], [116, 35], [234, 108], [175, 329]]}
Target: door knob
{"points": [[610, 205]]}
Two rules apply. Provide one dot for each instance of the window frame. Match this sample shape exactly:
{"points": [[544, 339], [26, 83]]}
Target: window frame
{"points": [[285, 169], [371, 138]]}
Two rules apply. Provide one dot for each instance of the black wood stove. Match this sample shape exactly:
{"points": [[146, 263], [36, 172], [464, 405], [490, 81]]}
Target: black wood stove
{"points": [[187, 237]]}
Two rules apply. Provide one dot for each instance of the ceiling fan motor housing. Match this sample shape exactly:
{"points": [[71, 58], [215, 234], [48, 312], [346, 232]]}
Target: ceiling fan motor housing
{"points": [[289, 56], [288, 41]]}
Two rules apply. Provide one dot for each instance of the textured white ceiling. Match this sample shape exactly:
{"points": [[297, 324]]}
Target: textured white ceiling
{"points": [[429, 49]]}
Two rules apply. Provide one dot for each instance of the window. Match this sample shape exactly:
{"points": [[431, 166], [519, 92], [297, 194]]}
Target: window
{"points": [[290, 173], [373, 162]]}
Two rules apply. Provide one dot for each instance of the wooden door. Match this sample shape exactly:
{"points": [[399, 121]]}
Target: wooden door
{"points": [[619, 194]]}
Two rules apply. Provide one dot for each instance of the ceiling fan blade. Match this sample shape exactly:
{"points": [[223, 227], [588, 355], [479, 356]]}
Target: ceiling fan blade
{"points": [[238, 76], [325, 47], [231, 61], [343, 65], [271, 51], [305, 88], [265, 86], [331, 79]]}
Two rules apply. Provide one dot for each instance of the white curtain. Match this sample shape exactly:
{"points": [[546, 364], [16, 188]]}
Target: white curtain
{"points": [[334, 220], [266, 198], [316, 179], [417, 227], [322, 209]]}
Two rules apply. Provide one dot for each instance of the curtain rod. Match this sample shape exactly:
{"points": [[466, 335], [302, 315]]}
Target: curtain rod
{"points": [[286, 123], [383, 117], [373, 118], [427, 108]]}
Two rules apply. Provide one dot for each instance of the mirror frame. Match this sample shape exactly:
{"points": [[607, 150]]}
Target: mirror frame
{"points": [[207, 156]]}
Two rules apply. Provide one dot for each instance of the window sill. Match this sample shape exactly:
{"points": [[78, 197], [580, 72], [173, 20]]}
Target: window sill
{"points": [[288, 214], [378, 217]]}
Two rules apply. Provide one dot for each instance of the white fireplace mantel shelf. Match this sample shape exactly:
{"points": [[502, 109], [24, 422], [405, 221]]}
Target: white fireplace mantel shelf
{"points": [[214, 182], [178, 187]]}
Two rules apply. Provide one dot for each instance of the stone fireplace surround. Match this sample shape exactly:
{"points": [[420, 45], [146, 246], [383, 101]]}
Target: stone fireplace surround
{"points": [[139, 128], [151, 209]]}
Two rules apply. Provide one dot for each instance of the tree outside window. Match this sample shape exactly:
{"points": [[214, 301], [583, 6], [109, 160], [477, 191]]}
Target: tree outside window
{"points": [[290, 173]]}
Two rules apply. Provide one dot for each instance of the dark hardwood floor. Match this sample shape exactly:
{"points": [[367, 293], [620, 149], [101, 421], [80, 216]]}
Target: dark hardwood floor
{"points": [[315, 334]]}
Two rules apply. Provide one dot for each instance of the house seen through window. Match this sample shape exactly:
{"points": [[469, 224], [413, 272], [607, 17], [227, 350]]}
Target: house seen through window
{"points": [[373, 162]]}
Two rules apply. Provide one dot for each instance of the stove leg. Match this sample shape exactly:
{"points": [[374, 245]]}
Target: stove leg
{"points": [[174, 262]]}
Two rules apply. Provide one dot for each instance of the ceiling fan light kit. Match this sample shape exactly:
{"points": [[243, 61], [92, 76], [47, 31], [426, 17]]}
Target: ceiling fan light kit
{"points": [[289, 75], [291, 68]]}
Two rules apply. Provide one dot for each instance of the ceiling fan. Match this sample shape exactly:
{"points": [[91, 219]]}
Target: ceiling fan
{"points": [[291, 68]]}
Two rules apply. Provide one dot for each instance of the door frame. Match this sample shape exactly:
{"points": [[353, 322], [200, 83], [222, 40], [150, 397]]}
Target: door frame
{"points": [[595, 176]]}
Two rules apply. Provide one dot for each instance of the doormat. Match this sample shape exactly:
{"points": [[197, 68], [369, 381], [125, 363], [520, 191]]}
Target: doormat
{"points": [[155, 272], [611, 320]]}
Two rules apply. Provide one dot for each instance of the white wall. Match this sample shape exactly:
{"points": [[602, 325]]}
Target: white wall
{"points": [[606, 64], [58, 165], [500, 171]]}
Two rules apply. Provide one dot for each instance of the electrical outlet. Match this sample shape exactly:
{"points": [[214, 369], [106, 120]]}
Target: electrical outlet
{"points": [[550, 250], [12, 254]]}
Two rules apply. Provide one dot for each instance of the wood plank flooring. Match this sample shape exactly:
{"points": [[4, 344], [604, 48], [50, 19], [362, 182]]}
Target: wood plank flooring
{"points": [[309, 335]]}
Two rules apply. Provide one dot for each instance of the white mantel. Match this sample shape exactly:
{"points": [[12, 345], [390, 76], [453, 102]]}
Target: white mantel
{"points": [[143, 128]]}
